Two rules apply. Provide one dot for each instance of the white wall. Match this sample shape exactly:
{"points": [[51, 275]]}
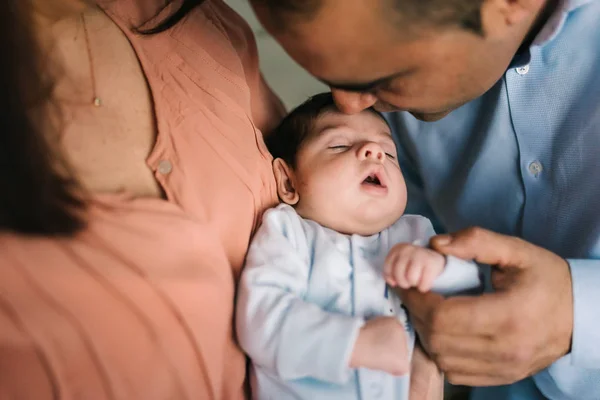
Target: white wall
{"points": [[286, 77]]}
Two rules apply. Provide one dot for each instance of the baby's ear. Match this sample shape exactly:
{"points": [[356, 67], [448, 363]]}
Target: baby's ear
{"points": [[285, 179]]}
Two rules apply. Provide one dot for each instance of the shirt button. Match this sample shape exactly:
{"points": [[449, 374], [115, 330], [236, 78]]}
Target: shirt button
{"points": [[165, 167], [536, 168], [522, 70]]}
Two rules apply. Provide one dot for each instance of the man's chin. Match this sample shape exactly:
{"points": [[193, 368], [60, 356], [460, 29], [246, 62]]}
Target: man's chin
{"points": [[430, 117]]}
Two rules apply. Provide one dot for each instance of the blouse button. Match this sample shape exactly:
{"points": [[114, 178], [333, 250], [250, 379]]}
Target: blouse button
{"points": [[165, 167]]}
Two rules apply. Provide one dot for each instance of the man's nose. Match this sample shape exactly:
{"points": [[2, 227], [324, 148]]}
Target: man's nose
{"points": [[353, 102], [371, 151]]}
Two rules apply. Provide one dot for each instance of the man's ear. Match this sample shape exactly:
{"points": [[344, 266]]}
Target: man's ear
{"points": [[286, 185], [498, 15]]}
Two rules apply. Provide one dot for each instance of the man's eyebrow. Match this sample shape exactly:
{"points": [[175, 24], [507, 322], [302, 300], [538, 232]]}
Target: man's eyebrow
{"points": [[362, 87]]}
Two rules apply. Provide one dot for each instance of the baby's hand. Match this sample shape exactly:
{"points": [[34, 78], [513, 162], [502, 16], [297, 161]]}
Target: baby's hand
{"points": [[382, 345], [409, 266]]}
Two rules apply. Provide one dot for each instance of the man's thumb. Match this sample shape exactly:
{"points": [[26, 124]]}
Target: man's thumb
{"points": [[483, 246]]}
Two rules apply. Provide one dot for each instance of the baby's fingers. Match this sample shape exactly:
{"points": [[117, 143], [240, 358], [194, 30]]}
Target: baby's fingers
{"points": [[414, 272], [427, 279], [395, 272], [388, 267], [433, 267]]}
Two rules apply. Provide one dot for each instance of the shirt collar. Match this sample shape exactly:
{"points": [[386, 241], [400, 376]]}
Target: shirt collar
{"points": [[550, 30], [557, 20]]}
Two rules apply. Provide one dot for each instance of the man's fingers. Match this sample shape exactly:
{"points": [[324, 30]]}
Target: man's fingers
{"points": [[462, 315], [475, 349], [480, 372], [486, 314], [476, 367], [481, 358], [486, 247], [475, 380]]}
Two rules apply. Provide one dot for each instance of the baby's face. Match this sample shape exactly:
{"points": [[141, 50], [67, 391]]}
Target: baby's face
{"points": [[347, 174]]}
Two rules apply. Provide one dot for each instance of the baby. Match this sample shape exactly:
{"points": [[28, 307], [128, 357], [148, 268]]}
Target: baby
{"points": [[315, 312]]}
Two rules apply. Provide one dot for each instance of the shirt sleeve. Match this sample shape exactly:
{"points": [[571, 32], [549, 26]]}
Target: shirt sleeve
{"points": [[278, 329], [585, 276]]}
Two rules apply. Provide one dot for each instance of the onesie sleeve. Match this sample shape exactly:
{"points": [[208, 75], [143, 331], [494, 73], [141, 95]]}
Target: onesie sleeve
{"points": [[278, 329]]}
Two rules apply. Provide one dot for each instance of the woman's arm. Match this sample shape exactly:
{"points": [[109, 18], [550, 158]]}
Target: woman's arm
{"points": [[426, 380]]}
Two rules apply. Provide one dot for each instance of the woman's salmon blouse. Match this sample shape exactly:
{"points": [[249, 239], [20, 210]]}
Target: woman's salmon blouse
{"points": [[140, 305]]}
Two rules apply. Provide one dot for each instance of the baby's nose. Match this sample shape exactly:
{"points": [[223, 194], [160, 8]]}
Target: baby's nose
{"points": [[371, 151]]}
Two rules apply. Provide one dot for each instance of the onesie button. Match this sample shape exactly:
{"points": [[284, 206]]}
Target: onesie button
{"points": [[376, 390]]}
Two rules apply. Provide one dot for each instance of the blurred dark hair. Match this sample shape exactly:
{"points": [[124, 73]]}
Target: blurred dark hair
{"points": [[463, 13], [298, 126], [37, 191]]}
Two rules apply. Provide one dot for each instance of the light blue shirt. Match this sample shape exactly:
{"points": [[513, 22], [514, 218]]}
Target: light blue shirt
{"points": [[524, 160], [304, 295]]}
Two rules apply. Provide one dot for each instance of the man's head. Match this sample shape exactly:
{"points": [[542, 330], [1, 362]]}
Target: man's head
{"points": [[336, 169], [424, 56]]}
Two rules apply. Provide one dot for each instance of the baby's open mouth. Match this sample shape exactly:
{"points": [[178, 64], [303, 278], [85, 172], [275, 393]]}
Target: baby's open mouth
{"points": [[373, 179]]}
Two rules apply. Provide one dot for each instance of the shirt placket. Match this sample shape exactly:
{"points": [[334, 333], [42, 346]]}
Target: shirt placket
{"points": [[522, 85]]}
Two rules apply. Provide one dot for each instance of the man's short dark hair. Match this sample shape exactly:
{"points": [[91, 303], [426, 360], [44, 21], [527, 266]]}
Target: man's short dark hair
{"points": [[462, 13], [298, 126]]}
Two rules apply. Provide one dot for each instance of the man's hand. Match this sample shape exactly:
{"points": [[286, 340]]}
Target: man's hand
{"points": [[382, 345], [502, 337], [409, 266]]}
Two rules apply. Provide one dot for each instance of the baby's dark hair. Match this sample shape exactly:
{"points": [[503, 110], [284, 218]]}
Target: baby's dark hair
{"points": [[287, 139]]}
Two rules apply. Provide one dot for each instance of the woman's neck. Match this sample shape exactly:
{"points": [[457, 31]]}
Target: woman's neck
{"points": [[48, 12]]}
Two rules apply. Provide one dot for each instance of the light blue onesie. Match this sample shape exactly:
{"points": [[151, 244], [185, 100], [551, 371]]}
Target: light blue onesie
{"points": [[306, 291]]}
